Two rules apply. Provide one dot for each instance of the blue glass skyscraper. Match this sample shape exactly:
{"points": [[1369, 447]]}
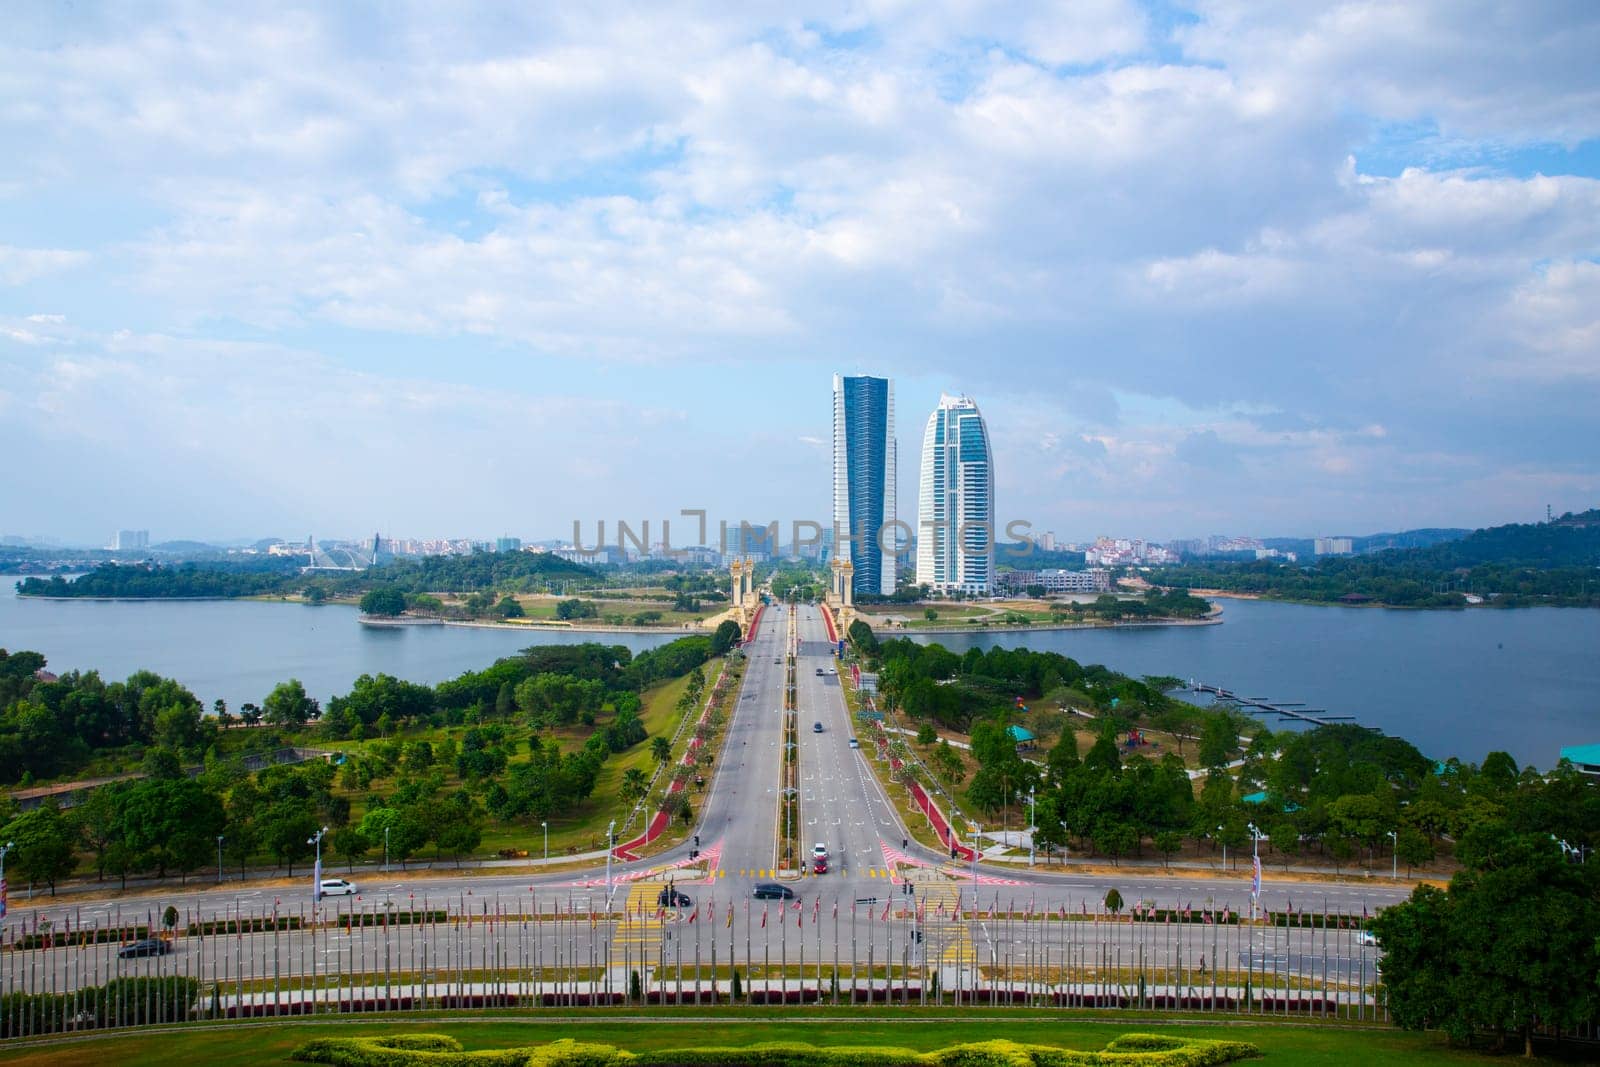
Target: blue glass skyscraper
{"points": [[864, 458]]}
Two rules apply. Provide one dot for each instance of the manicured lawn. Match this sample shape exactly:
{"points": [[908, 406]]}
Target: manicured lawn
{"points": [[271, 1043]]}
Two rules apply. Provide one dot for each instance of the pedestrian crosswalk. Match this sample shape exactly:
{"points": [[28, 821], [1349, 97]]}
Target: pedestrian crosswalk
{"points": [[643, 917], [764, 872]]}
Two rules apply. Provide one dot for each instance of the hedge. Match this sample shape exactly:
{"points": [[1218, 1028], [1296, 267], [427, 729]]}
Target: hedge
{"points": [[398, 918], [256, 925], [120, 1002], [435, 1050], [96, 936]]}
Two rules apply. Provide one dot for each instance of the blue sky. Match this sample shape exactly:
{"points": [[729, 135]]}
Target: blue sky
{"points": [[1288, 269]]}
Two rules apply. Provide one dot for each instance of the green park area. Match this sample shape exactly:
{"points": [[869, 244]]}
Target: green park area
{"points": [[919, 1030]]}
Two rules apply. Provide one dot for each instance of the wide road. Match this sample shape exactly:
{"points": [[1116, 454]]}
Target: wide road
{"points": [[842, 806]]}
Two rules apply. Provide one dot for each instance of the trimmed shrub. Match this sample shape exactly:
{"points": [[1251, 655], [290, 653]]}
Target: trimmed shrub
{"points": [[433, 1050]]}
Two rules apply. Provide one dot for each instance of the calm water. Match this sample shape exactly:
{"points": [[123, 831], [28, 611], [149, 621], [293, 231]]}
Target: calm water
{"points": [[238, 650], [1455, 683]]}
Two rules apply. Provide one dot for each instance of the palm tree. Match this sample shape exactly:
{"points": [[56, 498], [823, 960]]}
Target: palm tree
{"points": [[634, 785], [660, 748]]}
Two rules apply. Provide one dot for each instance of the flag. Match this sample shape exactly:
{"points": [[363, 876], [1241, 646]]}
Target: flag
{"points": [[764, 918], [695, 914], [730, 915], [1063, 913], [1255, 877], [2, 900], [1363, 912], [835, 907], [1207, 917], [1225, 913], [816, 909], [885, 916], [1168, 914], [316, 880]]}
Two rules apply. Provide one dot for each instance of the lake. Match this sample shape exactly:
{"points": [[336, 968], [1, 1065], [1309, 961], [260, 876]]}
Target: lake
{"points": [[1462, 683], [239, 649]]}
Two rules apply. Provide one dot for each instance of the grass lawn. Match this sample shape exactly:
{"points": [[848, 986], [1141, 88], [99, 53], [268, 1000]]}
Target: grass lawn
{"points": [[271, 1043]]}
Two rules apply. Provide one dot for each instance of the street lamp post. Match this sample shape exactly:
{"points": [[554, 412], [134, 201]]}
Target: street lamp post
{"points": [[5, 850], [546, 827], [977, 832], [219, 859], [1224, 848], [386, 848], [1255, 857], [1033, 824], [611, 839], [316, 839], [1394, 854]]}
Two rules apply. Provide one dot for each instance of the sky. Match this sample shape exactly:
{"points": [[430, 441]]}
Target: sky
{"points": [[469, 270]]}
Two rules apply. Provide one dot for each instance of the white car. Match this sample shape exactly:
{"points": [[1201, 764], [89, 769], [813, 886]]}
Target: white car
{"points": [[1366, 937], [819, 851], [854, 743], [337, 887]]}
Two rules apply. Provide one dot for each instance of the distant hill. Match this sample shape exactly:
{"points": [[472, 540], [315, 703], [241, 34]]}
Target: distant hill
{"points": [[1305, 547], [186, 548], [1542, 563]]}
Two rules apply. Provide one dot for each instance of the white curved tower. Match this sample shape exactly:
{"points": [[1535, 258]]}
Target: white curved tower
{"points": [[955, 504]]}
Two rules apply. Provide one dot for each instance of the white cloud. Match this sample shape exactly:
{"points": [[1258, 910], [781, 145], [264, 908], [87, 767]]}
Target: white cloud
{"points": [[21, 265]]}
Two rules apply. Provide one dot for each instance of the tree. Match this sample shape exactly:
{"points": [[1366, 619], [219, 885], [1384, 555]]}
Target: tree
{"points": [[1169, 843], [727, 635], [931, 614], [386, 601], [634, 786], [509, 608], [44, 840], [1218, 740], [1510, 947], [660, 749], [926, 734], [288, 705], [351, 843], [1413, 849], [1113, 901]]}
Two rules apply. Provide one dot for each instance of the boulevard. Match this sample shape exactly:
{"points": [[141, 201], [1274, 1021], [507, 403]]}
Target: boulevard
{"points": [[887, 906]]}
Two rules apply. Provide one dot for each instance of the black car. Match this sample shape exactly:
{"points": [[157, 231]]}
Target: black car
{"points": [[816, 727], [773, 891], [150, 946], [671, 898]]}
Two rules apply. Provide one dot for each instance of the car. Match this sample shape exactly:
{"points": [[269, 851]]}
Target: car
{"points": [[337, 887], [773, 891], [778, 661], [819, 865], [671, 898], [1366, 937], [149, 946], [816, 727], [819, 672], [854, 743], [833, 670], [819, 851]]}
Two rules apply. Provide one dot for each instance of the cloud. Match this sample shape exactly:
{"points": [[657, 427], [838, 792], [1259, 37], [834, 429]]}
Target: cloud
{"points": [[20, 265], [1149, 239]]}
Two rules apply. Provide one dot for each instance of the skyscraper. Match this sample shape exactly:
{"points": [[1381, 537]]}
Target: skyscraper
{"points": [[863, 479], [955, 508]]}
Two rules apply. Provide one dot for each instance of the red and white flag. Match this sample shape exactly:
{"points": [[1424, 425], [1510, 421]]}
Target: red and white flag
{"points": [[763, 916], [885, 916]]}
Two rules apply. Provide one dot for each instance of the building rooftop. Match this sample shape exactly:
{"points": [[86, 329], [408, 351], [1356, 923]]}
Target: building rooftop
{"points": [[1583, 755]]}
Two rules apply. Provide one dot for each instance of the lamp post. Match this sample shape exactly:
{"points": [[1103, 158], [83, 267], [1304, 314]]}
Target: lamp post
{"points": [[5, 849], [1224, 848], [386, 848], [1255, 865], [1033, 824], [219, 859], [316, 839], [977, 832], [546, 827], [611, 840], [1394, 854]]}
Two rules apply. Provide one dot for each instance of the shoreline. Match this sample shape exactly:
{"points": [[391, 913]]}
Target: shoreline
{"points": [[911, 631], [525, 627]]}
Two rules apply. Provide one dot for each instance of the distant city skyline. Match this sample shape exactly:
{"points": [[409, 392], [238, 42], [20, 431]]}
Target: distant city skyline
{"points": [[1294, 270]]}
